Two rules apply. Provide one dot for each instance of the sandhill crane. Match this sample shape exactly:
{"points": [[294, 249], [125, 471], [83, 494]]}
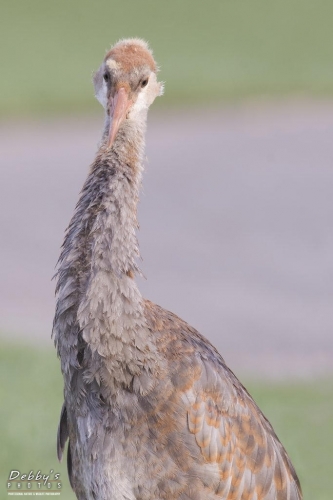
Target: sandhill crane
{"points": [[150, 408]]}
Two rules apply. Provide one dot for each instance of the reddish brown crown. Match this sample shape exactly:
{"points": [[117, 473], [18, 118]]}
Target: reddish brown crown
{"points": [[131, 53]]}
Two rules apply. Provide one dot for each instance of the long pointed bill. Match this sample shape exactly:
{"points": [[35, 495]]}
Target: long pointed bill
{"points": [[119, 108]]}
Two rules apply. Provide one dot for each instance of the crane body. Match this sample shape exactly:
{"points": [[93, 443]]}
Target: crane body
{"points": [[151, 410]]}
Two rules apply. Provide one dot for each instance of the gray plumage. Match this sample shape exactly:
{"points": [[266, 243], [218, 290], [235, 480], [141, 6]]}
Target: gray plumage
{"points": [[151, 410]]}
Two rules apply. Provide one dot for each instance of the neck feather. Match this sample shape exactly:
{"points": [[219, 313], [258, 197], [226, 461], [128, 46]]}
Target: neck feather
{"points": [[98, 299]]}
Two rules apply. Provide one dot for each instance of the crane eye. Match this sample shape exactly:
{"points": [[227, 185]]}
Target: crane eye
{"points": [[106, 77], [144, 82]]}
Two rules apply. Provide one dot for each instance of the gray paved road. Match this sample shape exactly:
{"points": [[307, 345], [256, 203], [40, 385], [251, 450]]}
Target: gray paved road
{"points": [[236, 227]]}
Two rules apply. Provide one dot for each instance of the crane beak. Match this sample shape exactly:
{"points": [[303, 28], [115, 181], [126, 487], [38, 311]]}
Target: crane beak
{"points": [[119, 107]]}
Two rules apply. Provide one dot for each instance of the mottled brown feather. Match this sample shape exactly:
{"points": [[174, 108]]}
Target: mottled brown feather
{"points": [[230, 431]]}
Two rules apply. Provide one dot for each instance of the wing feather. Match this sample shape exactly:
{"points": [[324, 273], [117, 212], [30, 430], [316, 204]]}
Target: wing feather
{"points": [[62, 435], [230, 449], [231, 432]]}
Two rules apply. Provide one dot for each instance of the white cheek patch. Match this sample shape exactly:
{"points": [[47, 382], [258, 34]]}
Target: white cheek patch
{"points": [[140, 104], [101, 94], [147, 96]]}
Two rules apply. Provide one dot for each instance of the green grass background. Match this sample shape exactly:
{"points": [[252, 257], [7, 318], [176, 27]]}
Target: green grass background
{"points": [[208, 51], [31, 398]]}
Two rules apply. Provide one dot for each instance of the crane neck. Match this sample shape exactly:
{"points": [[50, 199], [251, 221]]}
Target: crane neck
{"points": [[98, 263]]}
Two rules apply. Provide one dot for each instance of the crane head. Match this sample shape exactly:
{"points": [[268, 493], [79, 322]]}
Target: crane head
{"points": [[126, 83]]}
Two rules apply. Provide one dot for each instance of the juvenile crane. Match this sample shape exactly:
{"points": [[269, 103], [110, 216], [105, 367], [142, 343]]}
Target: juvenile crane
{"points": [[150, 408]]}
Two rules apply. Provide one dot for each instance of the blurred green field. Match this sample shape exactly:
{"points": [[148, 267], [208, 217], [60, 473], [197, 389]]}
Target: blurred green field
{"points": [[31, 395], [209, 51]]}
